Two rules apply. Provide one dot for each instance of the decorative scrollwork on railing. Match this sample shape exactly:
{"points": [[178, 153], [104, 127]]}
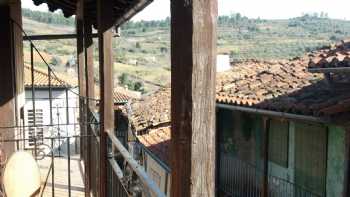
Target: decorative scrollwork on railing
{"points": [[41, 151]]}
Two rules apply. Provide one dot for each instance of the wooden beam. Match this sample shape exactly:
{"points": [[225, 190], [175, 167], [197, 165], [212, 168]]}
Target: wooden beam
{"points": [[81, 73], [193, 60], [90, 86], [11, 69], [346, 190], [54, 37], [105, 38], [89, 64]]}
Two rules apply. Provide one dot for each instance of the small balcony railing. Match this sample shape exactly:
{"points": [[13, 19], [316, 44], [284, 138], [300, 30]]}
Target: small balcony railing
{"points": [[241, 179], [125, 177]]}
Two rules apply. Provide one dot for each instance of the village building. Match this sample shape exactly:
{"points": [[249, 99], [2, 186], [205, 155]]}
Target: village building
{"points": [[55, 100], [223, 63], [150, 123], [281, 124]]}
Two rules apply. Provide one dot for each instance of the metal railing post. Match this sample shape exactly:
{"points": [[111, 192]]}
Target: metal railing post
{"points": [[69, 178], [50, 95], [35, 148], [53, 168], [33, 82]]}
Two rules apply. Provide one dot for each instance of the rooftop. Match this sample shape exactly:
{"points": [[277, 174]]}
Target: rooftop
{"points": [[158, 142], [152, 111], [41, 79], [282, 86], [335, 56], [121, 95], [123, 10]]}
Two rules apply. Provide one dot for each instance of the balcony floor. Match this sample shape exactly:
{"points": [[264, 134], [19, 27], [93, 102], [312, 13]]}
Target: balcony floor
{"points": [[61, 176]]}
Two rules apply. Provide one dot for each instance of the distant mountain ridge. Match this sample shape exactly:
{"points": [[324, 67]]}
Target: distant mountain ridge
{"points": [[143, 50]]}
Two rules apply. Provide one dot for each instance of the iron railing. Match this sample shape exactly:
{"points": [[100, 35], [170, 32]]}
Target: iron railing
{"points": [[51, 149], [125, 176], [241, 179]]}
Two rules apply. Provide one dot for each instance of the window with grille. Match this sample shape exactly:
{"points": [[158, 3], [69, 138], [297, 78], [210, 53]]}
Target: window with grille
{"points": [[278, 142], [35, 129]]}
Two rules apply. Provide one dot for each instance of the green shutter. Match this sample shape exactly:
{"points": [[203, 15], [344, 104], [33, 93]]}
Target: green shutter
{"points": [[311, 157], [278, 142]]}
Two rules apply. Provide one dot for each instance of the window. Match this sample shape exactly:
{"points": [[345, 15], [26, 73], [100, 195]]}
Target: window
{"points": [[38, 130], [278, 142]]}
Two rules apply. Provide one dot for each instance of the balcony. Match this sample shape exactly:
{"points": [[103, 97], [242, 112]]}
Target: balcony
{"points": [[61, 130], [108, 168]]}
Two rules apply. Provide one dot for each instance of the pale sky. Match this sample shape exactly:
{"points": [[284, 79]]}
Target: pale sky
{"points": [[266, 9]]}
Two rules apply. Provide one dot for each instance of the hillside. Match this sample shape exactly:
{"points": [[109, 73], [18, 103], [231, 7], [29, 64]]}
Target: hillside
{"points": [[143, 50]]}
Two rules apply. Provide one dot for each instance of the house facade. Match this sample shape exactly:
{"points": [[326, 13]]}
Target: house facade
{"points": [[150, 124], [56, 102], [279, 124], [280, 120]]}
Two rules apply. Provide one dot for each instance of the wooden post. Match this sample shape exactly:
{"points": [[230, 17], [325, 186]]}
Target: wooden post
{"points": [[11, 69], [346, 190], [105, 38], [193, 60], [90, 85], [265, 157], [89, 65], [81, 73]]}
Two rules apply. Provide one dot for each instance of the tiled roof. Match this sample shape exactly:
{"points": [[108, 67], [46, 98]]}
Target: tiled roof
{"points": [[120, 96], [276, 86], [152, 111], [158, 142], [332, 56], [284, 86], [41, 79]]}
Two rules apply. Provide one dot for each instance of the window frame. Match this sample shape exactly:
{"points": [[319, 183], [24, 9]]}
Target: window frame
{"points": [[286, 124]]}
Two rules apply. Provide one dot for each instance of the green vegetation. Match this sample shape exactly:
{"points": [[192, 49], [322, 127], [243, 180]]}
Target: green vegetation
{"points": [[126, 80], [143, 50], [48, 18]]}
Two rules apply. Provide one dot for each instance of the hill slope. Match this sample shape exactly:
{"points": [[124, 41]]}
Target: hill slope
{"points": [[143, 50]]}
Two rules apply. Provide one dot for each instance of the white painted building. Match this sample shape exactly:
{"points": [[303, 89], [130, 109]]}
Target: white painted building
{"points": [[60, 120], [223, 63]]}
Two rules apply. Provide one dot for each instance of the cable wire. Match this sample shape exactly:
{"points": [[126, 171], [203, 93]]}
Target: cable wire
{"points": [[48, 66]]}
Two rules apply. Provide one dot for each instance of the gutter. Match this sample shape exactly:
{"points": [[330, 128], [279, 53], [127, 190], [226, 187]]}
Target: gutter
{"points": [[272, 113]]}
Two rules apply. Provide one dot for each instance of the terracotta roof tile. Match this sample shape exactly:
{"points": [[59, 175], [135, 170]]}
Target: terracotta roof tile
{"points": [[331, 56], [285, 86], [41, 79], [120, 98], [158, 142], [253, 84], [152, 111], [121, 95]]}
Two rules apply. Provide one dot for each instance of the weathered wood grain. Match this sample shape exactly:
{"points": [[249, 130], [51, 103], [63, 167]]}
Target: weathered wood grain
{"points": [[346, 190], [105, 35], [193, 59], [11, 69], [90, 93]]}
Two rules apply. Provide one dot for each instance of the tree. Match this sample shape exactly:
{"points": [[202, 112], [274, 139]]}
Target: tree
{"points": [[55, 61]]}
